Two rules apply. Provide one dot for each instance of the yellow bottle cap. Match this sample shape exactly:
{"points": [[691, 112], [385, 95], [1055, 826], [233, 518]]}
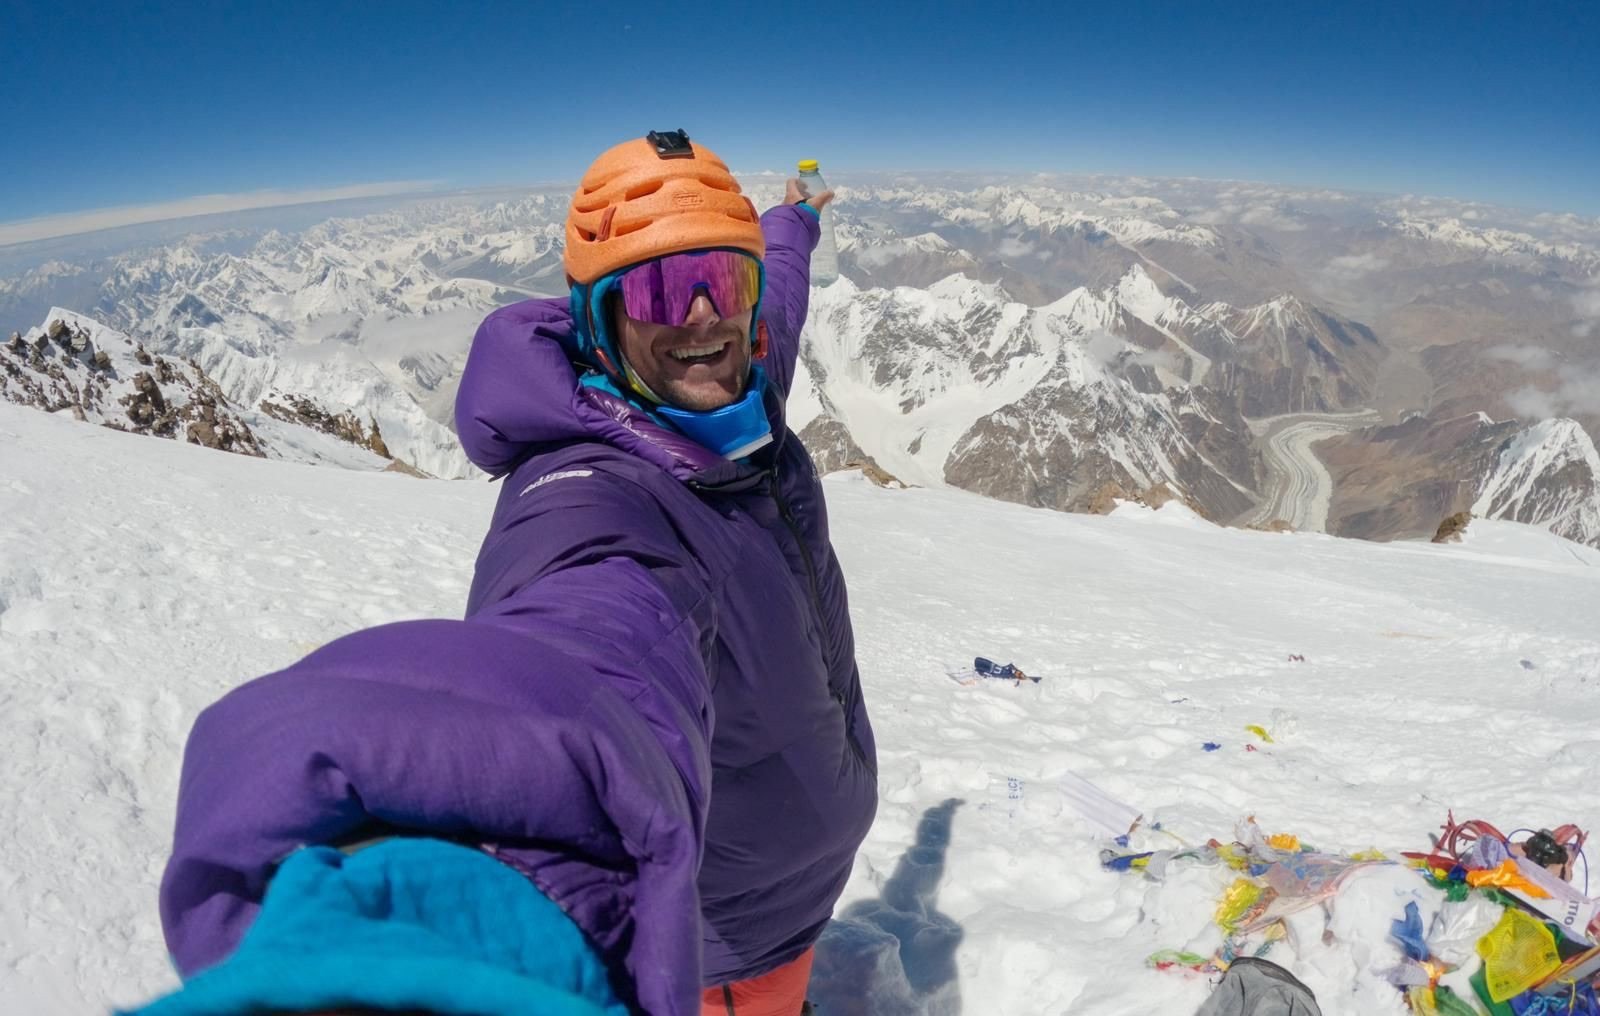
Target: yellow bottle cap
{"points": [[807, 165]]}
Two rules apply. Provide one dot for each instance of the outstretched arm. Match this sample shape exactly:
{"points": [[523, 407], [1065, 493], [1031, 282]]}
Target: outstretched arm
{"points": [[566, 722], [791, 231]]}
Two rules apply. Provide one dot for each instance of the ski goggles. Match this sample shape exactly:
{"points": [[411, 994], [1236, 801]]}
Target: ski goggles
{"points": [[661, 291]]}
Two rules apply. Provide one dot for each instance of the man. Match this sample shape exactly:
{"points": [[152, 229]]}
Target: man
{"points": [[652, 711]]}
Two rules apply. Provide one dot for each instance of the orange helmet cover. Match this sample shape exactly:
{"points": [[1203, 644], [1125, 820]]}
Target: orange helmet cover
{"points": [[633, 205]]}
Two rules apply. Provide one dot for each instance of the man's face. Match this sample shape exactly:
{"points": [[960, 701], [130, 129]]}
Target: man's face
{"points": [[699, 365]]}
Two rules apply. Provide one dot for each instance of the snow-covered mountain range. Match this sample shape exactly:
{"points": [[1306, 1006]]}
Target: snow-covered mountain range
{"points": [[141, 580], [1037, 339]]}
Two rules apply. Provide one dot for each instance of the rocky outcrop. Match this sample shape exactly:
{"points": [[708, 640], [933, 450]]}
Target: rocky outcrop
{"points": [[833, 450], [877, 475], [1105, 500], [1288, 356], [1451, 528], [346, 426], [830, 444], [1396, 482], [93, 373], [1060, 446], [405, 468]]}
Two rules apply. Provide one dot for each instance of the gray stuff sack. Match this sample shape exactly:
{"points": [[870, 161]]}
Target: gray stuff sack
{"points": [[1253, 987]]}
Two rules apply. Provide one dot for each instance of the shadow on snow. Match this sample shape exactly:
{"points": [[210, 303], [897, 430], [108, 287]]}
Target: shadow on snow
{"points": [[895, 955]]}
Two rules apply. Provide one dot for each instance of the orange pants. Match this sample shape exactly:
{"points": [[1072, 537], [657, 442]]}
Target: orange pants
{"points": [[779, 992]]}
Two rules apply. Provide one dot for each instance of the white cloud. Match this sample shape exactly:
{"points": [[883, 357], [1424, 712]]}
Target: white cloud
{"points": [[1577, 391], [1261, 207], [1161, 360], [206, 204], [1581, 390], [1354, 266], [1011, 247], [1526, 357], [1272, 218], [1587, 304], [1105, 348], [1217, 216], [1531, 402], [1111, 351]]}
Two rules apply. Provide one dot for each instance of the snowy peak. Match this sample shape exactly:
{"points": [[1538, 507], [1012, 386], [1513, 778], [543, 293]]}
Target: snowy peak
{"points": [[1548, 474], [1402, 480], [1277, 318], [960, 384], [1491, 242], [77, 366], [1122, 384], [966, 293], [1045, 210], [73, 364]]}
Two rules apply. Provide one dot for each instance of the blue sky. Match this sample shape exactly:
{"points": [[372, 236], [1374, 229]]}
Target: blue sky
{"points": [[108, 104]]}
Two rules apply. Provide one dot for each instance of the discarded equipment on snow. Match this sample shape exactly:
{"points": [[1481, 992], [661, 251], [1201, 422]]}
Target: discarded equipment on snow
{"points": [[1504, 901], [1004, 672]]}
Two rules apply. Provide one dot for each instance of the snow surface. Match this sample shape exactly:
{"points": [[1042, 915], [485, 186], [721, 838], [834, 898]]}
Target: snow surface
{"points": [[141, 579]]}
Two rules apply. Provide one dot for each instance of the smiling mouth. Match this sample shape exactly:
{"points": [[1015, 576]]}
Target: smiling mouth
{"points": [[699, 354]]}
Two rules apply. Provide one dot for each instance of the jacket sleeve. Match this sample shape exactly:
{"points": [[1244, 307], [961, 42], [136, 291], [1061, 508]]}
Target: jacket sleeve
{"points": [[791, 234], [570, 713]]}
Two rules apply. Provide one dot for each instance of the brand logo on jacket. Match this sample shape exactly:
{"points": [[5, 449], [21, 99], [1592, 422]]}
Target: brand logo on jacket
{"points": [[565, 474]]}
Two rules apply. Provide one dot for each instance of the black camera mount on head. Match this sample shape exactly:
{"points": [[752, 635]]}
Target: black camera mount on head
{"points": [[671, 144]]}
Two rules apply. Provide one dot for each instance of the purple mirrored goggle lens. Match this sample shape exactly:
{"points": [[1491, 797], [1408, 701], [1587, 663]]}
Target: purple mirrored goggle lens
{"points": [[661, 291]]}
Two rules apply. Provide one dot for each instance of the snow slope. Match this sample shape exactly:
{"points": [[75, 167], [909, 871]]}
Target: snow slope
{"points": [[141, 579]]}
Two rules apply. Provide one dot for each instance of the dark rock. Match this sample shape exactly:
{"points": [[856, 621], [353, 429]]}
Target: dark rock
{"points": [[877, 474], [1451, 528], [405, 468], [376, 443], [345, 426], [831, 445], [1104, 501], [1274, 526], [201, 432], [146, 386]]}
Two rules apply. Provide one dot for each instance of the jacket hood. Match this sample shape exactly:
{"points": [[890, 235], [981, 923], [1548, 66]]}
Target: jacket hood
{"points": [[520, 393]]}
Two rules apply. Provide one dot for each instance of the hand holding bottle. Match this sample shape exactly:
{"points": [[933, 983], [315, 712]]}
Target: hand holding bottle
{"points": [[794, 194]]}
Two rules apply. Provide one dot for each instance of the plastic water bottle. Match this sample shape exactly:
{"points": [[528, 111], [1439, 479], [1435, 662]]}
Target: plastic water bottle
{"points": [[825, 259]]}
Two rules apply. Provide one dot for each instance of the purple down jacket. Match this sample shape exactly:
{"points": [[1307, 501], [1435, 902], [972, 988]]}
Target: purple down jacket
{"points": [[652, 708]]}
